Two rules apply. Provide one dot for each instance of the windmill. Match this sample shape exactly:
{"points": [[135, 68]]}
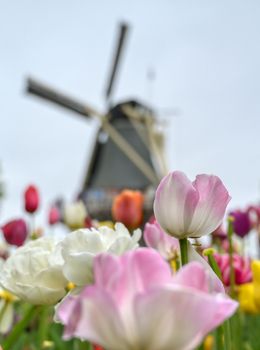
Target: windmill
{"points": [[128, 149]]}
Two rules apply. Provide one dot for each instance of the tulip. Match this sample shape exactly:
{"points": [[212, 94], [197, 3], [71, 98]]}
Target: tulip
{"points": [[79, 248], [254, 215], [34, 272], [54, 215], [6, 311], [155, 238], [15, 232], [136, 303], [168, 247], [249, 293], [128, 208], [190, 209], [95, 347], [241, 265], [241, 224], [31, 199], [75, 215]]}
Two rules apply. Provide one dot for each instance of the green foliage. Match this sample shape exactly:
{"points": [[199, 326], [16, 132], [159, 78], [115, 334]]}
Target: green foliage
{"points": [[36, 330], [251, 332]]}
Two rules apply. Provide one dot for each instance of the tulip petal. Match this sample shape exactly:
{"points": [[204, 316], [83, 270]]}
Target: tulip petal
{"points": [[167, 307], [157, 239], [175, 202], [213, 200], [214, 283], [6, 316], [101, 322], [133, 272]]}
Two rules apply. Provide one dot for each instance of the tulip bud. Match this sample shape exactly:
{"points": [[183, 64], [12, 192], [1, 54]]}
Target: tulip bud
{"points": [[128, 208], [54, 215], [75, 215], [31, 199], [15, 232]]}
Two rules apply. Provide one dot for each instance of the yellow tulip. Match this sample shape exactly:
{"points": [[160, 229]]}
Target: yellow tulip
{"points": [[249, 293]]}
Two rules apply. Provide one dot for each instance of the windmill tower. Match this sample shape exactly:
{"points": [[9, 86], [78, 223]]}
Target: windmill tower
{"points": [[128, 149]]}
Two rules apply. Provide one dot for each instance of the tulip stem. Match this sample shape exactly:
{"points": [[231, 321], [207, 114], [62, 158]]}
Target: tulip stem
{"points": [[184, 250], [230, 251], [227, 335]]}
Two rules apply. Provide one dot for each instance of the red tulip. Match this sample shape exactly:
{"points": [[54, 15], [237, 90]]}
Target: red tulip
{"points": [[54, 215], [95, 347], [15, 232], [88, 222], [128, 208], [31, 199]]}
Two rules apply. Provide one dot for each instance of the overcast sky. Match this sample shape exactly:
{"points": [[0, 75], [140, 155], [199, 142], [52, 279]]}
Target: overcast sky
{"points": [[206, 57]]}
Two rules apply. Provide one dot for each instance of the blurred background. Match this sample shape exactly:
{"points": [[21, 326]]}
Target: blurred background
{"points": [[196, 63]]}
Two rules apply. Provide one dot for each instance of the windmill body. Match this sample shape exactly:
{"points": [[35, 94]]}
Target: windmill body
{"points": [[110, 170]]}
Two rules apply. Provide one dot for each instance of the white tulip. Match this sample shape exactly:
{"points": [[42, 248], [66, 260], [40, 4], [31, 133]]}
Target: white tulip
{"points": [[80, 247], [34, 273], [75, 215]]}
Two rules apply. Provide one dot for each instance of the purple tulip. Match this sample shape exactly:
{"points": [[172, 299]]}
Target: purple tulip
{"points": [[242, 224]]}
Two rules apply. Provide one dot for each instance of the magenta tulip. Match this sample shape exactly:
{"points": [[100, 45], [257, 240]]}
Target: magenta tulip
{"points": [[15, 232], [136, 303], [242, 268], [190, 209], [54, 215], [242, 224]]}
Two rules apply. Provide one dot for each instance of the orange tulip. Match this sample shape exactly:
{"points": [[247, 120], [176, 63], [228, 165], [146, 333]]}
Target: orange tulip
{"points": [[128, 208]]}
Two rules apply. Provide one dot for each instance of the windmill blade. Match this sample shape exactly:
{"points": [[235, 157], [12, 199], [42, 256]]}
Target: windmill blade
{"points": [[118, 54], [41, 90]]}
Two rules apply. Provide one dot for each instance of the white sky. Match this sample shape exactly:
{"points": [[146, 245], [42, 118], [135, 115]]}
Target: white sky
{"points": [[206, 56]]}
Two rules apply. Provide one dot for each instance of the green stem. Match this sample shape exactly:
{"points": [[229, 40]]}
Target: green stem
{"points": [[212, 262], [43, 325], [184, 250], [219, 334], [227, 336], [19, 327], [230, 251]]}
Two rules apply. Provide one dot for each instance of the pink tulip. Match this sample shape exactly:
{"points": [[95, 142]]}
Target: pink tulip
{"points": [[31, 199], [135, 303], [54, 215], [190, 209], [168, 247], [154, 237], [242, 268], [15, 232]]}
